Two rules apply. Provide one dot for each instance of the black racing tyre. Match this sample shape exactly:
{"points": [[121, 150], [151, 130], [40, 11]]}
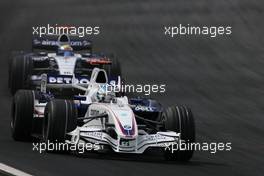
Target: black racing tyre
{"points": [[22, 115], [60, 118], [10, 61], [114, 69], [180, 119], [20, 69]]}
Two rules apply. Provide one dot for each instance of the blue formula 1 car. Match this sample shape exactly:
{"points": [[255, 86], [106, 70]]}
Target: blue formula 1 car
{"points": [[61, 58]]}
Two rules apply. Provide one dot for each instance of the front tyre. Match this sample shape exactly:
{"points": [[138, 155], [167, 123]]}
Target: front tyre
{"points": [[60, 118], [22, 115], [180, 119]]}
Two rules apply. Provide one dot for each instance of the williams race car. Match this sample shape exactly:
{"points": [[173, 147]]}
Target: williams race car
{"points": [[100, 116], [60, 59]]}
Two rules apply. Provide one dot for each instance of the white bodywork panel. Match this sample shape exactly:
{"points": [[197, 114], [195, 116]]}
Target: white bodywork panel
{"points": [[66, 64]]}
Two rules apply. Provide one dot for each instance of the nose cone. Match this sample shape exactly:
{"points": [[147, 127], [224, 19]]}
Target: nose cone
{"points": [[126, 123]]}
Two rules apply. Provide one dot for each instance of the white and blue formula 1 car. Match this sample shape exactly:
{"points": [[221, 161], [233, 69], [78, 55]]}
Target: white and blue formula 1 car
{"points": [[101, 117], [59, 57]]}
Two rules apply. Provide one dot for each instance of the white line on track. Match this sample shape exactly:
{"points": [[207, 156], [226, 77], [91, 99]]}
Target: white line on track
{"points": [[12, 171]]}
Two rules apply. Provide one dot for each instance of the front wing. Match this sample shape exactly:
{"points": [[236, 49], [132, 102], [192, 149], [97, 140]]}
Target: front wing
{"points": [[122, 145]]}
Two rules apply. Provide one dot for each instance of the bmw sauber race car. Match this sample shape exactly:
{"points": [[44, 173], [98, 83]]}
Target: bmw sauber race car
{"points": [[100, 116], [60, 59]]}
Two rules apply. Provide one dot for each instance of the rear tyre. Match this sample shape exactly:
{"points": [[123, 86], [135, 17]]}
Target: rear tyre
{"points": [[22, 115], [60, 118], [20, 69], [180, 120], [113, 70]]}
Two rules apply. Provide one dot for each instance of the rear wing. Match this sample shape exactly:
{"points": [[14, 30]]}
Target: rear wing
{"points": [[48, 81], [52, 43]]}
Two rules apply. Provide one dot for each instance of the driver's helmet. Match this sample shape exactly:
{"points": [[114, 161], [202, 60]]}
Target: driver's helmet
{"points": [[103, 95], [65, 50]]}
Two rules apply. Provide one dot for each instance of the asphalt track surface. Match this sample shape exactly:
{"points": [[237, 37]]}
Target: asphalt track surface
{"points": [[221, 79]]}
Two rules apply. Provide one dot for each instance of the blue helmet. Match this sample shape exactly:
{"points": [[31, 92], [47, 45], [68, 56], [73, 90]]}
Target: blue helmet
{"points": [[65, 50]]}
